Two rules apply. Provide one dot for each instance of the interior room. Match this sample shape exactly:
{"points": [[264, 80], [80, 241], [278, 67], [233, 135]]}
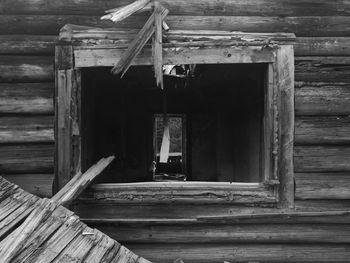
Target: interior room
{"points": [[214, 115]]}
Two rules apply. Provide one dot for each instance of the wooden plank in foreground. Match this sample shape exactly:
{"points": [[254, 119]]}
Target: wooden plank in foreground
{"points": [[80, 181]]}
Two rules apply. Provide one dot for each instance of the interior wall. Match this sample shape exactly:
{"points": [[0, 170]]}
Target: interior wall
{"points": [[29, 30]]}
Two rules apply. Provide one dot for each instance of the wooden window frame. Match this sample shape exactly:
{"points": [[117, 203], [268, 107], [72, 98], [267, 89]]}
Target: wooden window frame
{"points": [[277, 187]]}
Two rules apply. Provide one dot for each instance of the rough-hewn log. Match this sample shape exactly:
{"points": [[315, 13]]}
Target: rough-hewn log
{"points": [[322, 185], [217, 253], [26, 159], [188, 192], [38, 184], [183, 7], [308, 26], [206, 233], [322, 130], [325, 69], [322, 46], [26, 69], [27, 44], [26, 129], [321, 158], [26, 98], [173, 56], [322, 98], [285, 89], [181, 214], [44, 45], [322, 205]]}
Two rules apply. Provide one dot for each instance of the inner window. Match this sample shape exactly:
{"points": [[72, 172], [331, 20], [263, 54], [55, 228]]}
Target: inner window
{"points": [[214, 115]]}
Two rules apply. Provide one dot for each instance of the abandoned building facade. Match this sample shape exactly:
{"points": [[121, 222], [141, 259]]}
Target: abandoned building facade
{"points": [[229, 122]]}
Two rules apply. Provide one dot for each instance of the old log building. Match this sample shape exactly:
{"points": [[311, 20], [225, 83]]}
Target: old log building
{"points": [[257, 107]]}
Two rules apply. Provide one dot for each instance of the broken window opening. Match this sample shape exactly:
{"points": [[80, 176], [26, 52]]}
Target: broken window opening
{"points": [[220, 108], [172, 166]]}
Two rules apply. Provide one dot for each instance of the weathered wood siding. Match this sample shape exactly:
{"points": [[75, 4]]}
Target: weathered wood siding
{"points": [[322, 136]]}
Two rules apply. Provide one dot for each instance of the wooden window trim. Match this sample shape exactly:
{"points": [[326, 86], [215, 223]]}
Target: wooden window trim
{"points": [[278, 186]]}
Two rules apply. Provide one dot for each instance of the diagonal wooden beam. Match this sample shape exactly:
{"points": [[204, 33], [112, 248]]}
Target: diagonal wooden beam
{"points": [[137, 44], [80, 181], [119, 14]]}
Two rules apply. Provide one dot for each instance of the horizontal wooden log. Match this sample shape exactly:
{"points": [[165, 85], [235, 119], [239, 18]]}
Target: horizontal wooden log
{"points": [[321, 158], [44, 45], [325, 69], [307, 26], [322, 130], [176, 214], [18, 159], [26, 98], [247, 233], [26, 129], [322, 185], [26, 69], [218, 253], [322, 98], [180, 192], [172, 56], [38, 184], [27, 44], [322, 205], [183, 7], [322, 46]]}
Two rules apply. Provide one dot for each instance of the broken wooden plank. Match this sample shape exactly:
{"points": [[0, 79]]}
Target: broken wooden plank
{"points": [[120, 13], [59, 217], [19, 237], [7, 224], [157, 45], [79, 248], [137, 44], [80, 181], [62, 237], [102, 248], [124, 255]]}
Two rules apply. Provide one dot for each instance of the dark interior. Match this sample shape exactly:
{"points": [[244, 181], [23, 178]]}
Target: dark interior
{"points": [[221, 110]]}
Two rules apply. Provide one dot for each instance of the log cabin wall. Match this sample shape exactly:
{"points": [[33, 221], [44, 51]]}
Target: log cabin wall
{"points": [[28, 31]]}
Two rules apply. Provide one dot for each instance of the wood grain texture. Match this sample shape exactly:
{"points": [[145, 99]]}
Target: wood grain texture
{"points": [[321, 158], [26, 98], [226, 233], [26, 69], [305, 26], [180, 192], [322, 185], [183, 7], [320, 69], [322, 46], [285, 88], [44, 45], [26, 159], [27, 44], [322, 98], [173, 56], [26, 129], [217, 253], [38, 184], [334, 130]]}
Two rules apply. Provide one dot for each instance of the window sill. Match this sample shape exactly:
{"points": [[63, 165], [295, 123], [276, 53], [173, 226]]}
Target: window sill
{"points": [[182, 192]]}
